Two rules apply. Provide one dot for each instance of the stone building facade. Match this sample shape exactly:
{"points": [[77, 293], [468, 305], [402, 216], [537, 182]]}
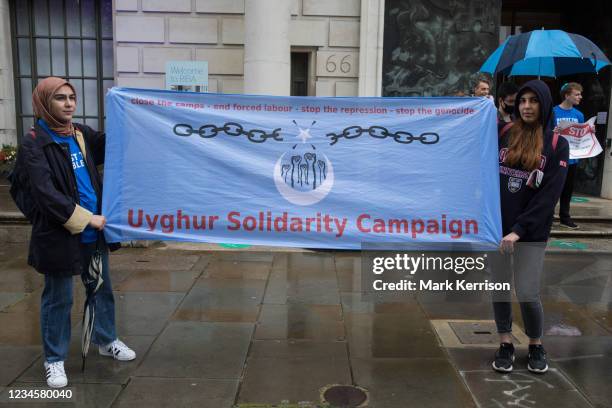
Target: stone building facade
{"points": [[251, 46], [150, 32]]}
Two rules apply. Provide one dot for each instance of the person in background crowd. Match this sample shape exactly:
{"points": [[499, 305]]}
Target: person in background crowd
{"points": [[60, 159], [571, 93], [506, 96], [482, 87], [532, 169]]}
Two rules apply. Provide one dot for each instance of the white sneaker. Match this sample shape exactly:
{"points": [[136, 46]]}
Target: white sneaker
{"points": [[56, 376], [118, 350]]}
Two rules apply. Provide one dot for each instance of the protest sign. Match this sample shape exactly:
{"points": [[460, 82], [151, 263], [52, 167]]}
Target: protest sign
{"points": [[300, 171], [581, 137]]}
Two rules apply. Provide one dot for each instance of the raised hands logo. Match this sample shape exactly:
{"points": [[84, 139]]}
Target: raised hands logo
{"points": [[303, 176]]}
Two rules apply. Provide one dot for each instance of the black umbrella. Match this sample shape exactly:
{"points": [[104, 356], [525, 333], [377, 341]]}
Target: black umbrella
{"points": [[92, 281]]}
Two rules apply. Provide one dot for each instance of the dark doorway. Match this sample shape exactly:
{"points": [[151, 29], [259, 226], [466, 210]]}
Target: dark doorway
{"points": [[299, 73]]}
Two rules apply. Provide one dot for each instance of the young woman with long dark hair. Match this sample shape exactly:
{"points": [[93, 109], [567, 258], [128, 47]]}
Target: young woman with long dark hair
{"points": [[533, 165]]}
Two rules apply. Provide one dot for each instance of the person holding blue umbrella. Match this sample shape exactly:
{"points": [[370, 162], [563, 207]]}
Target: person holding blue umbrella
{"points": [[532, 170], [571, 93]]}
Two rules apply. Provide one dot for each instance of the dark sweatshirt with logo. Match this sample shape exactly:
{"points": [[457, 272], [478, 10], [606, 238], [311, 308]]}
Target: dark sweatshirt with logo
{"points": [[529, 211]]}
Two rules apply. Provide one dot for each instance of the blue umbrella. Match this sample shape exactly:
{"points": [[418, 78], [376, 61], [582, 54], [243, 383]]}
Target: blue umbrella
{"points": [[549, 53]]}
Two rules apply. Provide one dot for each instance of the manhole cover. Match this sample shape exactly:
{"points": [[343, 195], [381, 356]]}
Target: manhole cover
{"points": [[472, 333], [344, 396], [476, 332]]}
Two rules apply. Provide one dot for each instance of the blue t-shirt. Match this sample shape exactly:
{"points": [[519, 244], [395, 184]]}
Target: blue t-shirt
{"points": [[568, 115], [87, 195]]}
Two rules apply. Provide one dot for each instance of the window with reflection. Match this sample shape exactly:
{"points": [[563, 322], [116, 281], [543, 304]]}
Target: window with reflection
{"points": [[71, 39]]}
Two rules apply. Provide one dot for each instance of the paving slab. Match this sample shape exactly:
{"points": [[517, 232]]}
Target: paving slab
{"points": [[316, 265], [348, 269], [14, 255], [592, 375], [263, 256], [98, 369], [300, 287], [602, 314], [177, 392], [20, 278], [222, 300], [477, 310], [391, 336], [198, 350], [303, 278], [294, 372], [157, 281], [472, 359], [568, 318], [297, 348], [418, 382], [355, 302], [236, 269], [10, 298], [15, 360], [300, 321], [522, 388], [83, 395], [133, 259], [31, 301], [144, 313], [560, 347], [20, 329]]}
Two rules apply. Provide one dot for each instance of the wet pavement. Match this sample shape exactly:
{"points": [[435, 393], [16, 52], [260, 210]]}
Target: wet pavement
{"points": [[274, 327], [263, 328]]}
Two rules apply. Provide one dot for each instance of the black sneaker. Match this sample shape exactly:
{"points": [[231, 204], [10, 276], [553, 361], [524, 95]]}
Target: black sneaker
{"points": [[569, 224], [504, 357], [536, 359]]}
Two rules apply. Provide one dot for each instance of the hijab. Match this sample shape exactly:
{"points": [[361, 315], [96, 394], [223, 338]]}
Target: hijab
{"points": [[41, 102]]}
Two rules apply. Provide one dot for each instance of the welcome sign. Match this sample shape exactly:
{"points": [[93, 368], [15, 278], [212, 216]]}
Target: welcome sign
{"points": [[300, 171]]}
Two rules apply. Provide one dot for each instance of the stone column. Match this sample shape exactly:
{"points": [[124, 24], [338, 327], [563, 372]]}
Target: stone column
{"points": [[267, 52], [371, 47], [606, 183], [8, 133]]}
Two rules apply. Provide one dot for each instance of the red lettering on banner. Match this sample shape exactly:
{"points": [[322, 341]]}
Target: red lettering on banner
{"points": [[266, 221]]}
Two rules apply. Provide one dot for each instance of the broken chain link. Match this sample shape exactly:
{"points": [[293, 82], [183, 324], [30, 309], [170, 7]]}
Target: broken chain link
{"points": [[230, 129], [379, 132]]}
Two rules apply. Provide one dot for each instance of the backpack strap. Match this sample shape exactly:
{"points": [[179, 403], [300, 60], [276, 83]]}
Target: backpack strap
{"points": [[505, 129]]}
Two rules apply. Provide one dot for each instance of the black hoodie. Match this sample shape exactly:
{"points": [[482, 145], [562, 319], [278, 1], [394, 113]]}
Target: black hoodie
{"points": [[529, 211]]}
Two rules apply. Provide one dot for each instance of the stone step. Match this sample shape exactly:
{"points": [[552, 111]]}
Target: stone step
{"points": [[12, 218], [589, 218], [590, 229]]}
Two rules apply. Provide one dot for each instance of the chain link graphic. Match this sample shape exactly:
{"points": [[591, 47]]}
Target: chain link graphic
{"points": [[379, 132], [230, 129]]}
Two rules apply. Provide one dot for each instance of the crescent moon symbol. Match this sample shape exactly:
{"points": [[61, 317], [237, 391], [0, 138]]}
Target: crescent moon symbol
{"points": [[303, 197]]}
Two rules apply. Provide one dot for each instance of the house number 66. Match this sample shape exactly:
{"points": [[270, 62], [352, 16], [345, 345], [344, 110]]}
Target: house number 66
{"points": [[332, 66]]}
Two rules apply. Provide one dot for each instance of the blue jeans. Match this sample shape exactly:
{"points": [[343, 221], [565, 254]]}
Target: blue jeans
{"points": [[56, 303]]}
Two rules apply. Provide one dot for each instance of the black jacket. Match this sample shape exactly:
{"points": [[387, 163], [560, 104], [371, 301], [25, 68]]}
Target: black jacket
{"points": [[527, 211], [53, 249]]}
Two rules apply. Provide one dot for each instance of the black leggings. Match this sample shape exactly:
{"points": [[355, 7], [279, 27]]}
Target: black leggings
{"points": [[525, 265], [566, 194]]}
